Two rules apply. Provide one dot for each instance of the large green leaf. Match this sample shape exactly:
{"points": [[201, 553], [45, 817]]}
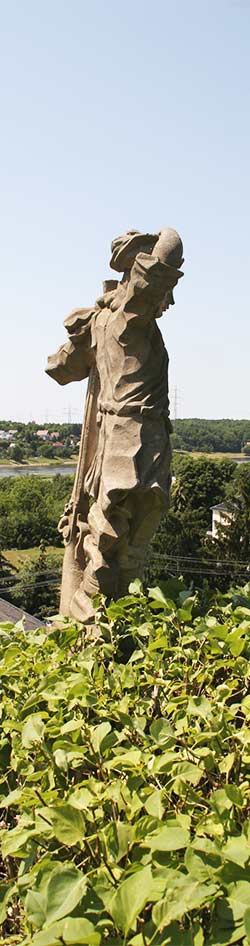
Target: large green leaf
{"points": [[68, 824], [162, 732], [153, 804], [36, 907], [182, 895], [81, 931], [199, 706], [52, 936], [118, 836], [130, 899], [16, 841], [6, 893], [169, 838], [65, 889], [237, 849], [33, 730], [98, 735]]}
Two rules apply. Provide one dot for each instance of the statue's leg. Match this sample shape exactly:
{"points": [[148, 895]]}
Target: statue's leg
{"points": [[148, 506], [116, 544], [106, 550]]}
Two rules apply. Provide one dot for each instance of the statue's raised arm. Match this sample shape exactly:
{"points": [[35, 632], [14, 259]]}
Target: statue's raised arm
{"points": [[73, 360]]}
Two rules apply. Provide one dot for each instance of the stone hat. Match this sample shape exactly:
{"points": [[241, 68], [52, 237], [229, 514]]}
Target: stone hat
{"points": [[125, 248]]}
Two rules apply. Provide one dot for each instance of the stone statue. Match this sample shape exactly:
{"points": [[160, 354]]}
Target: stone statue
{"points": [[122, 481]]}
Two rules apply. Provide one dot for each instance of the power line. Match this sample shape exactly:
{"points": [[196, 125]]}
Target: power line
{"points": [[43, 571], [38, 584]]}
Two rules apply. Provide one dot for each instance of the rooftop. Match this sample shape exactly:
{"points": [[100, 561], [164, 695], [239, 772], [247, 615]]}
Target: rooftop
{"points": [[8, 612]]}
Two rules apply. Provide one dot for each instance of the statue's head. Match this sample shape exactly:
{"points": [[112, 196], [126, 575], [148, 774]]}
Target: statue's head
{"points": [[169, 249], [125, 248], [166, 246]]}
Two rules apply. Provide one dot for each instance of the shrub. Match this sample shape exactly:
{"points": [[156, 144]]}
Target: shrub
{"points": [[125, 775]]}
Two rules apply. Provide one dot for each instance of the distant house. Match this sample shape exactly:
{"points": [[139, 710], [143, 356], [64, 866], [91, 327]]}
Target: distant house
{"points": [[221, 516], [54, 434], [246, 448], [42, 434], [4, 435], [58, 443]]}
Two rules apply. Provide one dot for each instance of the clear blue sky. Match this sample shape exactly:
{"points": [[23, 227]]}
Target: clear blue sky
{"points": [[118, 116]]}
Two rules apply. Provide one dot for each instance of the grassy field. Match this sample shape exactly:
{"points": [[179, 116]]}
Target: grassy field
{"points": [[198, 454], [18, 557]]}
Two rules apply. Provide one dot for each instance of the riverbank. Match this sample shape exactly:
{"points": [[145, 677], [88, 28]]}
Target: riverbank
{"points": [[40, 466], [37, 461]]}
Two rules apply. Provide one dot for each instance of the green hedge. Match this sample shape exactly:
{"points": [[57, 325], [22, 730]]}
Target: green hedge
{"points": [[125, 776]]}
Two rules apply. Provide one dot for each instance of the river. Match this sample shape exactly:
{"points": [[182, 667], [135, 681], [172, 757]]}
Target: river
{"points": [[65, 470]]}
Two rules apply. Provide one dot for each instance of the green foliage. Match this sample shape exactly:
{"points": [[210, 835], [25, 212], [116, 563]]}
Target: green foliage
{"points": [[47, 450], [17, 453], [182, 543], [234, 539], [124, 767], [199, 484], [30, 508], [36, 587], [222, 435]]}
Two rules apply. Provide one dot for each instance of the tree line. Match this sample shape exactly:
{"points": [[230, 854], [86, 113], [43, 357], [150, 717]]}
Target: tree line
{"points": [[211, 436]]}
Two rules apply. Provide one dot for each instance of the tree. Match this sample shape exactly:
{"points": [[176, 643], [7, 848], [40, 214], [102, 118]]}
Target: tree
{"points": [[7, 576], [30, 508], [37, 586], [225, 435], [234, 538], [178, 546], [17, 453], [46, 450]]}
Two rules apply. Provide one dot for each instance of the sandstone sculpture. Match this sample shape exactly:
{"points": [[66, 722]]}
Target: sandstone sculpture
{"points": [[122, 481]]}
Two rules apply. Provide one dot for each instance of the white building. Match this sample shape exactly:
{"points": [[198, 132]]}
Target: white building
{"points": [[221, 516]]}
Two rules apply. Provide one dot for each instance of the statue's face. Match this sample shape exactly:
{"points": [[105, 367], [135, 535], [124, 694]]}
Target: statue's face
{"points": [[167, 301]]}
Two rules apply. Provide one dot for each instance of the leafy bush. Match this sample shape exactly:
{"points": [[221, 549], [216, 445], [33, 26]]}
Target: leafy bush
{"points": [[125, 776]]}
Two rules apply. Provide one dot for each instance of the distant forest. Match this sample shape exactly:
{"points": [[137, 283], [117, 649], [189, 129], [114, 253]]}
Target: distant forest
{"points": [[211, 436], [192, 434]]}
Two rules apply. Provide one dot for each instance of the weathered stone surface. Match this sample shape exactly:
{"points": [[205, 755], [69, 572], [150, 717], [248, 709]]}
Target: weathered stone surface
{"points": [[122, 482]]}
